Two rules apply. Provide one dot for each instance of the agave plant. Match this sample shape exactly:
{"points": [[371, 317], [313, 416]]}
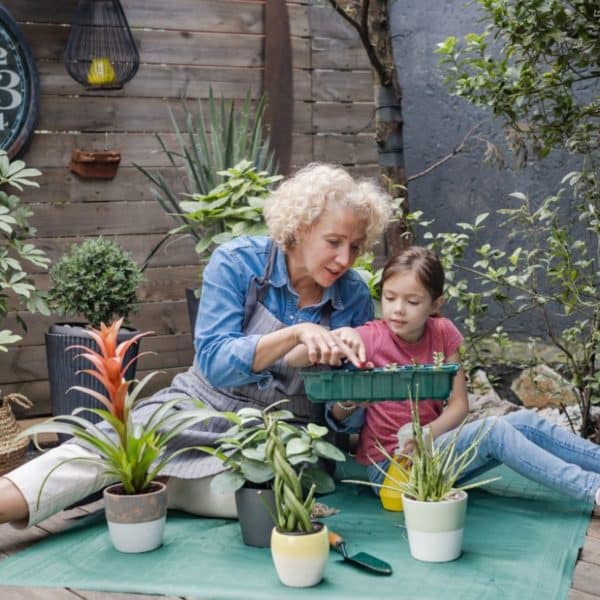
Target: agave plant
{"points": [[207, 149], [132, 452], [430, 473]]}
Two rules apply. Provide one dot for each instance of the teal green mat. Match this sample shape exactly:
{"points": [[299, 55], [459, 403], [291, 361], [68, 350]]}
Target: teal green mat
{"points": [[521, 541]]}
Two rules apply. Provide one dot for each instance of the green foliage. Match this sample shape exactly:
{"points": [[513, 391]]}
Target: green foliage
{"points": [[208, 148], [430, 473], [533, 66], [15, 230], [233, 208], [536, 66], [263, 447], [96, 279]]}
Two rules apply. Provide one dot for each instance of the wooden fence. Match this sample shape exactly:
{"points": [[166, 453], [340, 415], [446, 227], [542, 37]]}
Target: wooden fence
{"points": [[186, 46]]}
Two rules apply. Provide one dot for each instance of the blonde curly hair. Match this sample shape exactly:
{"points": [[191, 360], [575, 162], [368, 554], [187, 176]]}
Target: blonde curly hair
{"points": [[300, 201]]}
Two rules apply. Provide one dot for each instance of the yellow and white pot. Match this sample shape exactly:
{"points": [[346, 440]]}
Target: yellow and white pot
{"points": [[435, 529], [300, 558]]}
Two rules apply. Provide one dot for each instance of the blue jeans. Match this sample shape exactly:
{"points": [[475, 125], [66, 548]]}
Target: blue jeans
{"points": [[531, 446]]}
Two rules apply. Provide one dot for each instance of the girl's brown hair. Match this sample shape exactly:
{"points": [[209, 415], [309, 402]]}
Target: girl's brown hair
{"points": [[423, 262]]}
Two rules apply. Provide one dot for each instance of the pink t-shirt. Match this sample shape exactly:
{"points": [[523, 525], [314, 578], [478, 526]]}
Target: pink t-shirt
{"points": [[383, 419]]}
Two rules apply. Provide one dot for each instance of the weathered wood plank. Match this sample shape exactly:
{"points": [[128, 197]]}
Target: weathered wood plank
{"points": [[591, 551], [346, 149], [37, 593], [12, 540], [326, 23], [54, 150], [331, 53], [39, 392], [222, 16], [174, 81], [59, 186], [48, 42], [586, 577], [164, 318], [118, 114], [100, 218], [28, 363], [594, 529], [334, 117], [174, 253], [342, 86], [577, 595]]}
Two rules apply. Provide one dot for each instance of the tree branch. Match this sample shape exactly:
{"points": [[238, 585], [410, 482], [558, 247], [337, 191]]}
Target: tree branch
{"points": [[457, 150]]}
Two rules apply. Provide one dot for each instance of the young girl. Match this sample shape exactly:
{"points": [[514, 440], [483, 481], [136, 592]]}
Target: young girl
{"points": [[411, 332]]}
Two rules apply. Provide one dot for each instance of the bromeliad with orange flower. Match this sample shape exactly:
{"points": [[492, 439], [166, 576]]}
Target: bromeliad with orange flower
{"points": [[132, 452]]}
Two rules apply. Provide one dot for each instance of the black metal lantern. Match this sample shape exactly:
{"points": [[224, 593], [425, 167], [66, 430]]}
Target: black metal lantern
{"points": [[101, 53]]}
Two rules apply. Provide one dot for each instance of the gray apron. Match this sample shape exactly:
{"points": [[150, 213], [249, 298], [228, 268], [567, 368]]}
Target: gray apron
{"points": [[192, 384]]}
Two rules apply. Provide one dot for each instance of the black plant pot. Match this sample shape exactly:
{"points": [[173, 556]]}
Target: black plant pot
{"points": [[63, 367], [255, 508], [192, 306]]}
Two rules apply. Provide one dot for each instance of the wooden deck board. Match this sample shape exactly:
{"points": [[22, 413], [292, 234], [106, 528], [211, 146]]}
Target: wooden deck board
{"points": [[585, 584]]}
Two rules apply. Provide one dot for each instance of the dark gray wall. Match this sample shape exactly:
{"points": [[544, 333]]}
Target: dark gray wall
{"points": [[436, 122]]}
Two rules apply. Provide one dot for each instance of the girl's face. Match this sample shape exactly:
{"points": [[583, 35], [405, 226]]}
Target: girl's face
{"points": [[329, 248], [406, 304]]}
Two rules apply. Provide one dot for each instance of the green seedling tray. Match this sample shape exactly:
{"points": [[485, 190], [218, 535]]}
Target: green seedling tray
{"points": [[402, 383]]}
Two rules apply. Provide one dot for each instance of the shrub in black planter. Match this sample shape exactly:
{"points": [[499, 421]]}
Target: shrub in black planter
{"points": [[96, 280]]}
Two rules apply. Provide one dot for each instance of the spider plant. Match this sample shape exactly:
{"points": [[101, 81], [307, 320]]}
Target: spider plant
{"points": [[430, 473], [207, 148]]}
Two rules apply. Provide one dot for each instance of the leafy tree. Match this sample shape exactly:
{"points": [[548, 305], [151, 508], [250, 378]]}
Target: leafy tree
{"points": [[536, 65]]}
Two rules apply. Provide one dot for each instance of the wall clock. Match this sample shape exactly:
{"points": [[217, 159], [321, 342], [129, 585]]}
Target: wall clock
{"points": [[19, 87]]}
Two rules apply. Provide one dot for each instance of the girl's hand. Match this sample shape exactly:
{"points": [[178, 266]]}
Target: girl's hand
{"points": [[352, 345]]}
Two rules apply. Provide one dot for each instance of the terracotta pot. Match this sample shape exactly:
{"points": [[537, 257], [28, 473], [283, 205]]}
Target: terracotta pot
{"points": [[300, 558], [136, 522], [95, 165]]}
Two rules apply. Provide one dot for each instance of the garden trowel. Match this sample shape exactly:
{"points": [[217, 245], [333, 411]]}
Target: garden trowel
{"points": [[362, 559]]}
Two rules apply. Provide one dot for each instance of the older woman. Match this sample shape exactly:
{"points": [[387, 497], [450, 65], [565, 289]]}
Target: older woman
{"points": [[261, 298]]}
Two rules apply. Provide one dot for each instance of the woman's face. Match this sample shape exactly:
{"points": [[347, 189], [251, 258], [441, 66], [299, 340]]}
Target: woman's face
{"points": [[327, 249]]}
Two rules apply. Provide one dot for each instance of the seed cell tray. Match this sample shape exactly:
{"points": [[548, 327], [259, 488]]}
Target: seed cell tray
{"points": [[401, 383]]}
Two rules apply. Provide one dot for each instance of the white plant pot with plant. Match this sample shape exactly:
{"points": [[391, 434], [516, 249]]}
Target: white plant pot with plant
{"points": [[132, 453], [434, 506], [250, 473]]}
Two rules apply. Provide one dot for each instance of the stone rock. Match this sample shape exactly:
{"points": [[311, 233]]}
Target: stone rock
{"points": [[541, 387], [558, 416], [483, 399]]}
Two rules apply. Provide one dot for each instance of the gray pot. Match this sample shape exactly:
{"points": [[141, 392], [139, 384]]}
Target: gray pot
{"points": [[255, 508], [63, 367]]}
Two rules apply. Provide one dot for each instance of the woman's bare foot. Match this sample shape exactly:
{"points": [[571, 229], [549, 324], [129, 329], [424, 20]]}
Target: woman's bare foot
{"points": [[13, 507]]}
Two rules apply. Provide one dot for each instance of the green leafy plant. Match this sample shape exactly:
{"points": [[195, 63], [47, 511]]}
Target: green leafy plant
{"points": [[232, 208], [207, 148], [15, 230], [430, 473], [133, 452], [263, 447], [536, 67], [96, 279]]}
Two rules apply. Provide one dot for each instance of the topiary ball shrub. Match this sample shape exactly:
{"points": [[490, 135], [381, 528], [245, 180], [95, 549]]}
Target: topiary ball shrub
{"points": [[96, 279]]}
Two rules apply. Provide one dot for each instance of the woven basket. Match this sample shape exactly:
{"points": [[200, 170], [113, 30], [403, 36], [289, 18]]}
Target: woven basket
{"points": [[12, 451]]}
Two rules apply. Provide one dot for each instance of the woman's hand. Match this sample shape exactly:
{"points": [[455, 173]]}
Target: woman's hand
{"points": [[321, 345]]}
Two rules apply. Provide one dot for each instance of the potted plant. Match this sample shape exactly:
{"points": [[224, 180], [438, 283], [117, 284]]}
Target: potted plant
{"points": [[209, 149], [434, 506], [250, 473], [17, 289], [95, 279], [133, 452]]}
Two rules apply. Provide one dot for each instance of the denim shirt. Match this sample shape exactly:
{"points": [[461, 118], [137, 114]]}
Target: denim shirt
{"points": [[223, 353]]}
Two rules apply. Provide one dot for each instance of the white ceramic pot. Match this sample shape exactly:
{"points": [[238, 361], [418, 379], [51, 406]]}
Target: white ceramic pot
{"points": [[300, 558], [136, 522], [435, 529]]}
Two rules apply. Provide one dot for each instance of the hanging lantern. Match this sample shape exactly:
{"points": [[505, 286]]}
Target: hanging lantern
{"points": [[101, 53]]}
